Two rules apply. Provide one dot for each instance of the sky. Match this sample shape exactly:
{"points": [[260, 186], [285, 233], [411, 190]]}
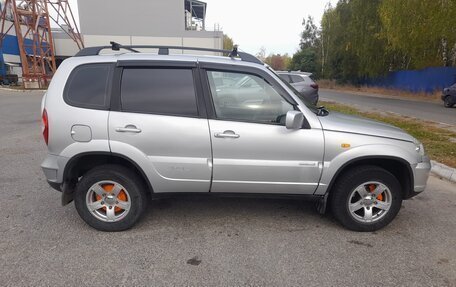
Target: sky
{"points": [[253, 24], [274, 25]]}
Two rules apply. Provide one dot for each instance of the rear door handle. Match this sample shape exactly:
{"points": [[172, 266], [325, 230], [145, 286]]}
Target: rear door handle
{"points": [[227, 134], [128, 129]]}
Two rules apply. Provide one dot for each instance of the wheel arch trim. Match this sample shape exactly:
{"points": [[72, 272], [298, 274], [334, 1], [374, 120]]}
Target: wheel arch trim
{"points": [[72, 161], [352, 162]]}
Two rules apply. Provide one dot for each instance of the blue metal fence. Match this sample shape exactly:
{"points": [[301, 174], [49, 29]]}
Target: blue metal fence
{"points": [[427, 80]]}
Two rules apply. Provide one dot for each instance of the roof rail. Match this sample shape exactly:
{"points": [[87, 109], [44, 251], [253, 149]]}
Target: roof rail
{"points": [[164, 50]]}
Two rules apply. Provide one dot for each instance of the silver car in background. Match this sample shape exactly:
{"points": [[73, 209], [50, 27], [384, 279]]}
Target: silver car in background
{"points": [[303, 83]]}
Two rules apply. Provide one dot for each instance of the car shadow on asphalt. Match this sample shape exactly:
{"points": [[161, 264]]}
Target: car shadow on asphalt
{"points": [[257, 212]]}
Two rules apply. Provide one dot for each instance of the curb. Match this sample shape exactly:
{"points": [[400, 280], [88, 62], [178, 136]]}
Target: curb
{"points": [[3, 88], [443, 171], [376, 95]]}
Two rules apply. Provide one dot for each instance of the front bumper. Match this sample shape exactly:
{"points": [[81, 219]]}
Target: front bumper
{"points": [[421, 174]]}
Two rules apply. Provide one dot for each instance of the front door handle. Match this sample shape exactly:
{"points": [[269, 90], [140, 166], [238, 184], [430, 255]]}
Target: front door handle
{"points": [[128, 129], [227, 134]]}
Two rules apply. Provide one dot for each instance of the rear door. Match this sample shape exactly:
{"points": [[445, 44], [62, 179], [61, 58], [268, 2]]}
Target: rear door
{"points": [[158, 121]]}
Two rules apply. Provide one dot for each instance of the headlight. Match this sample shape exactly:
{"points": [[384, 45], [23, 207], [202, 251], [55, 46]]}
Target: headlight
{"points": [[420, 148]]}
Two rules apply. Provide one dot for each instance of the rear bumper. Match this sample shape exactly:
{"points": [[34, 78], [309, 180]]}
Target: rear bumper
{"points": [[53, 167], [313, 97]]}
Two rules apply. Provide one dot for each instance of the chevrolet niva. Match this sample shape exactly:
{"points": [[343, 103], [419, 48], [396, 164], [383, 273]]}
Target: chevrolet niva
{"points": [[121, 128]]}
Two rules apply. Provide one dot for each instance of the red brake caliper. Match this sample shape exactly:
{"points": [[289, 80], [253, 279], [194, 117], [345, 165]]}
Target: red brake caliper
{"points": [[372, 188], [108, 188]]}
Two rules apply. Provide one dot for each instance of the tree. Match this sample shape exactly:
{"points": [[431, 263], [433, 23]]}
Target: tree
{"points": [[361, 39], [352, 47], [261, 54], [306, 58], [227, 42], [310, 35], [278, 62], [423, 31]]}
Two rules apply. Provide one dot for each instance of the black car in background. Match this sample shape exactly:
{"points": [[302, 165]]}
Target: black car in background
{"points": [[449, 96]]}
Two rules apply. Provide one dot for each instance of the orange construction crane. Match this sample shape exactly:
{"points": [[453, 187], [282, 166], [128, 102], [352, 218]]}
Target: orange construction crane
{"points": [[31, 21]]}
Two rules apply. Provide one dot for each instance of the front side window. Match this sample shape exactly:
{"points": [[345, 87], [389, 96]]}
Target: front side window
{"points": [[246, 97], [87, 86], [159, 91]]}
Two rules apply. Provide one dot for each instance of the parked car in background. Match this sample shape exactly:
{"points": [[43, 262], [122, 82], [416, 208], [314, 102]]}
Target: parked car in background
{"points": [[449, 96], [9, 79], [303, 83]]}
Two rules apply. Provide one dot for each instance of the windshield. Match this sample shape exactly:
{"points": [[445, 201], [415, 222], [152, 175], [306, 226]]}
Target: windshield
{"points": [[306, 102]]}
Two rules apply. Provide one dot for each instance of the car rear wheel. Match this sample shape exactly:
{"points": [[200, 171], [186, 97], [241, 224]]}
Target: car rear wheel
{"points": [[366, 198], [447, 102], [110, 198]]}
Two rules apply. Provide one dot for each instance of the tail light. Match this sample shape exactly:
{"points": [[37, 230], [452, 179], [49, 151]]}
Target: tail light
{"points": [[315, 86], [45, 126]]}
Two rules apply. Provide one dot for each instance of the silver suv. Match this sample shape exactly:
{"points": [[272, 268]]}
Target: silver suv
{"points": [[121, 128]]}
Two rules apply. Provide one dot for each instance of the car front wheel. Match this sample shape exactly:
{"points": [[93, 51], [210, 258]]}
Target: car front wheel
{"points": [[366, 198], [448, 103]]}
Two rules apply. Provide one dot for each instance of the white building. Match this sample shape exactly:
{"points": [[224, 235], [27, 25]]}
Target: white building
{"points": [[141, 22]]}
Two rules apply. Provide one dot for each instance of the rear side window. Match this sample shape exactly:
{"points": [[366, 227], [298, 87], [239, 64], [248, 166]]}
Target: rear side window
{"points": [[88, 86], [159, 91], [296, 79], [285, 77]]}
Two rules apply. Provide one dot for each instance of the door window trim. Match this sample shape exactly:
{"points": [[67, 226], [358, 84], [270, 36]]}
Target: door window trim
{"points": [[109, 85], [116, 102], [204, 67]]}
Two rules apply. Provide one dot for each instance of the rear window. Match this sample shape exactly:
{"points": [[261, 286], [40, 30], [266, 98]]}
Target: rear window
{"points": [[285, 77], [159, 91], [296, 79], [88, 85]]}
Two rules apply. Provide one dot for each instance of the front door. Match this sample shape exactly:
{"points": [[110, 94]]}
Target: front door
{"points": [[253, 152]]}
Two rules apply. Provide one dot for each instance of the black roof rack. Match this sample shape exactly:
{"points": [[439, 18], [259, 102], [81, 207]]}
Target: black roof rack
{"points": [[164, 50]]}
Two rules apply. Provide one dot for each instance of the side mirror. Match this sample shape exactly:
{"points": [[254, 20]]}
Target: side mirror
{"points": [[294, 120]]}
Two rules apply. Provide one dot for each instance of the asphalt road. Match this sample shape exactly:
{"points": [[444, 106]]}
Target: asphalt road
{"points": [[204, 241], [428, 111]]}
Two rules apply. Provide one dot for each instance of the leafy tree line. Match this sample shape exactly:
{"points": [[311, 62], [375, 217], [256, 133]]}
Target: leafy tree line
{"points": [[277, 61], [360, 39]]}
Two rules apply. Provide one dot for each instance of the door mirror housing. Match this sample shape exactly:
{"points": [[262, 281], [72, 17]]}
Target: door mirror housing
{"points": [[294, 120]]}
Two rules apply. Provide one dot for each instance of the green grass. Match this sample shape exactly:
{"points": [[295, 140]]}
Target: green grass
{"points": [[436, 140]]}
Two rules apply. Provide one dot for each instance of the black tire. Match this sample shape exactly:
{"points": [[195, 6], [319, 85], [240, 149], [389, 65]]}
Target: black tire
{"points": [[132, 183], [349, 181], [447, 102]]}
